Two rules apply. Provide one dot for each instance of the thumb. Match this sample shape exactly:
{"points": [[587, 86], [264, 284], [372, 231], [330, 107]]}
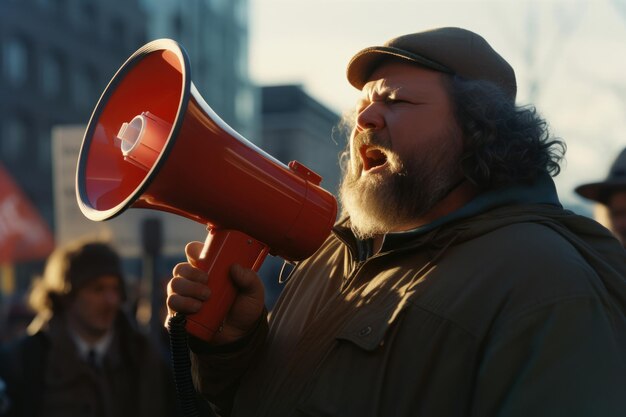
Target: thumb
{"points": [[246, 280], [193, 250]]}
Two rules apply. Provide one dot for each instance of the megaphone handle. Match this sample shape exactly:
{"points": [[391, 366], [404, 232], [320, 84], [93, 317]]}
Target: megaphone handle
{"points": [[222, 249]]}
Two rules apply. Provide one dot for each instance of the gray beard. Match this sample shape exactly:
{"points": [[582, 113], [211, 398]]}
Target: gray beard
{"points": [[378, 204]]}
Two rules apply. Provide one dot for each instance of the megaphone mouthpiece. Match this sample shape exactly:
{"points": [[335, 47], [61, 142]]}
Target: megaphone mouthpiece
{"points": [[142, 138]]}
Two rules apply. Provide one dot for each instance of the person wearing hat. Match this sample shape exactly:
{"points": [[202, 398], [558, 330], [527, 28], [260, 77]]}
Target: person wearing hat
{"points": [[82, 357], [611, 193], [454, 284]]}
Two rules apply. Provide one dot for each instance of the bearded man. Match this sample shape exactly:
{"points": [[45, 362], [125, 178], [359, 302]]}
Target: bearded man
{"points": [[455, 284]]}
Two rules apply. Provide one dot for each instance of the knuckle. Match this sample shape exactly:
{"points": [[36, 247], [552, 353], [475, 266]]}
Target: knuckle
{"points": [[171, 303], [185, 305], [176, 284], [178, 267]]}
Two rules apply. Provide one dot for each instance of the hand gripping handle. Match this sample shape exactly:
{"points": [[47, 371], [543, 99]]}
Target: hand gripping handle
{"points": [[222, 249]]}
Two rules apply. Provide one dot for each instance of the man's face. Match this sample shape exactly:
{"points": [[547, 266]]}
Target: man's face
{"points": [[616, 206], [93, 310], [404, 149]]}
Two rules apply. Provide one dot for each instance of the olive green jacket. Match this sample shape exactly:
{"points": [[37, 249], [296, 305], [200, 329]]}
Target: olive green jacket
{"points": [[507, 308]]}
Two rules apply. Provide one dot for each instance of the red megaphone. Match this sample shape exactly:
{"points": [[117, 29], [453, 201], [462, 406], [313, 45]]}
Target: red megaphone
{"points": [[152, 142]]}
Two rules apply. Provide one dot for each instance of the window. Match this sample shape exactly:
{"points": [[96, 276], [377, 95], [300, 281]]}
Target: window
{"points": [[14, 138], [117, 34], [241, 13], [242, 59], [44, 4], [218, 5], [83, 88], [44, 157], [244, 104], [15, 60], [177, 24], [88, 12], [51, 75]]}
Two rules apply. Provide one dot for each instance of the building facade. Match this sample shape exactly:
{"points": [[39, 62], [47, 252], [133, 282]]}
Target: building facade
{"points": [[215, 35], [295, 126], [56, 57]]}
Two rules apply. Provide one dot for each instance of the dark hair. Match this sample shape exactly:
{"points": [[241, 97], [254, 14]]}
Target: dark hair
{"points": [[70, 268], [504, 144]]}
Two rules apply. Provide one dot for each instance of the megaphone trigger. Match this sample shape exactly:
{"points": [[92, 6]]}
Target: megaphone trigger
{"points": [[306, 173]]}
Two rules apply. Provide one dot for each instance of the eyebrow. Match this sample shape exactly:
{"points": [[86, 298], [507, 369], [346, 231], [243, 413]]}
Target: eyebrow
{"points": [[378, 93]]}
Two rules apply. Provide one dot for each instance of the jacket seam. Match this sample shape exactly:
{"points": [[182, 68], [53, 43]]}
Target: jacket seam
{"points": [[444, 318], [540, 305], [506, 321]]}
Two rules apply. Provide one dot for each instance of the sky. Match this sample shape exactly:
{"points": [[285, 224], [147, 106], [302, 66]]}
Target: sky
{"points": [[569, 57]]}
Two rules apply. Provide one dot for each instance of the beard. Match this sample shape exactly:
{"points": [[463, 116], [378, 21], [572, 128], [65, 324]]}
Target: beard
{"points": [[406, 190]]}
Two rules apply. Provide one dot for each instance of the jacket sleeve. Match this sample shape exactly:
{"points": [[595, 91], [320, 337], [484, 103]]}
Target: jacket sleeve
{"points": [[217, 370], [566, 358]]}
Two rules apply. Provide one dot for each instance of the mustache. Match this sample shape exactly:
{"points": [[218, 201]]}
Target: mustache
{"points": [[370, 138]]}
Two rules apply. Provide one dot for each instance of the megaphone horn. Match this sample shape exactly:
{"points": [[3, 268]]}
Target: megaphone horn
{"points": [[153, 142]]}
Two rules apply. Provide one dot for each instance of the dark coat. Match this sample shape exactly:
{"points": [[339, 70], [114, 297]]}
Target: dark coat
{"points": [[45, 368]]}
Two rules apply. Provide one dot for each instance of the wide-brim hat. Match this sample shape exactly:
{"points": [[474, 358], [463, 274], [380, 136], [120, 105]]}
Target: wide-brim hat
{"points": [[450, 49], [615, 181]]}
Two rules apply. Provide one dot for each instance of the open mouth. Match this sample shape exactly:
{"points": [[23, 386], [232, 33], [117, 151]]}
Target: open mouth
{"points": [[372, 157]]}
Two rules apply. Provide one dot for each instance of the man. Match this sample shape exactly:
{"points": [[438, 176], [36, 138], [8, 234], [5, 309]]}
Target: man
{"points": [[456, 285], [611, 193], [82, 357]]}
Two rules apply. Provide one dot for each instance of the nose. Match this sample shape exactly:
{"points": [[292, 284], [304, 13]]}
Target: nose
{"points": [[113, 296], [370, 118]]}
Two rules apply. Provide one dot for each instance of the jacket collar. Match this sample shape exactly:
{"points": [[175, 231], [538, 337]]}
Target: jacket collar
{"points": [[541, 192]]}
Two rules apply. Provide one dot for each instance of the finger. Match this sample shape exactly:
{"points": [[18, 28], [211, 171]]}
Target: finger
{"points": [[185, 305], [192, 251], [187, 288], [187, 271]]}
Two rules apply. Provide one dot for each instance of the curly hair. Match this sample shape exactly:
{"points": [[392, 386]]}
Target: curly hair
{"points": [[504, 143]]}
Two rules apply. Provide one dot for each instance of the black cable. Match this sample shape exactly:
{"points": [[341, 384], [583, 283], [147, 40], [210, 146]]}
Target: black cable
{"points": [[181, 364]]}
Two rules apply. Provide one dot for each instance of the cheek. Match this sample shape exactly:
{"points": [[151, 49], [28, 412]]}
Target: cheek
{"points": [[82, 308], [115, 299], [97, 301]]}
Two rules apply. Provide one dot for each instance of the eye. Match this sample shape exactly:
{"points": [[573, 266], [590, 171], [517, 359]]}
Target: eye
{"points": [[394, 100]]}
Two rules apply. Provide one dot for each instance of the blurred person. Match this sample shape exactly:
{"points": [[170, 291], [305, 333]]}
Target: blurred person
{"points": [[82, 356], [611, 194], [455, 284]]}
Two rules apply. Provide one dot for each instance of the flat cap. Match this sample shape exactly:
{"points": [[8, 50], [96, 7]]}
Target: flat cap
{"points": [[450, 49]]}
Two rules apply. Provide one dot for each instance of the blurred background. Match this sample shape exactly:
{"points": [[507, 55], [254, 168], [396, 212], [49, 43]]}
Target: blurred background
{"points": [[275, 71]]}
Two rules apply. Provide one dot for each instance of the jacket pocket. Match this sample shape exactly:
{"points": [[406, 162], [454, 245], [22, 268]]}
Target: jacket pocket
{"points": [[367, 329], [350, 380]]}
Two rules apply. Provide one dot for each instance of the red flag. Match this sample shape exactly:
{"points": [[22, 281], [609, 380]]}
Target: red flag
{"points": [[24, 235]]}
